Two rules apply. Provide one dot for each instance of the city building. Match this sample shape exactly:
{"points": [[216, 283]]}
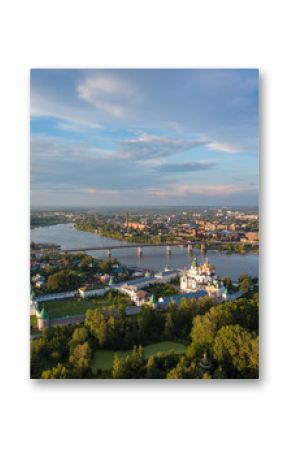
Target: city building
{"points": [[163, 277], [131, 287], [55, 296], [92, 290], [140, 297], [163, 302], [167, 275], [210, 226], [252, 236], [248, 217], [40, 283], [133, 225]]}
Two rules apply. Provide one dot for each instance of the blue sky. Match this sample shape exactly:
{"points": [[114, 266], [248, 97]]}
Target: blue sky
{"points": [[144, 137]]}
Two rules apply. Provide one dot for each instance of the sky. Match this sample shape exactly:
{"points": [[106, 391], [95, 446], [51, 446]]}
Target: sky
{"points": [[144, 137]]}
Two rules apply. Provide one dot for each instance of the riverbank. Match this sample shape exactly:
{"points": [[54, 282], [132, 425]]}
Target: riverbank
{"points": [[85, 227], [226, 247], [37, 222], [153, 258]]}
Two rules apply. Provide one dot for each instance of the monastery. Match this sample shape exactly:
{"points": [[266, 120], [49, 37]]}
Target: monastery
{"points": [[202, 277]]}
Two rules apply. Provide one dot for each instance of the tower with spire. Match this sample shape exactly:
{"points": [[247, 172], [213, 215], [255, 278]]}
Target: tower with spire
{"points": [[153, 300], [42, 319], [127, 220], [112, 280]]}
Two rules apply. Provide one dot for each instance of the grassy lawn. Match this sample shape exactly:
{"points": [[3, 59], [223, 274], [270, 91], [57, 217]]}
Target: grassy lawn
{"points": [[69, 307], [103, 359]]}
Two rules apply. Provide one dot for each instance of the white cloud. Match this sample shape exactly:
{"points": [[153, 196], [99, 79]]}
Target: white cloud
{"points": [[220, 146], [148, 146], [93, 191], [76, 126], [106, 93], [98, 84], [43, 105]]}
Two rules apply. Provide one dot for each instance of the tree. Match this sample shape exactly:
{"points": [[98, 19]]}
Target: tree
{"points": [[97, 324], [245, 282], [169, 325], [185, 369], [146, 320], [80, 358], [80, 334], [245, 285], [136, 358], [178, 371], [243, 312], [63, 280], [152, 371], [57, 372], [86, 262], [118, 370], [227, 281], [105, 266], [237, 350], [220, 373]]}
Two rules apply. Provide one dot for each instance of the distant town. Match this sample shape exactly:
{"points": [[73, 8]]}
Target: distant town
{"points": [[222, 225]]}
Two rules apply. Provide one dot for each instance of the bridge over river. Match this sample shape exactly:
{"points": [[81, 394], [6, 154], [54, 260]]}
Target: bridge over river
{"points": [[139, 246]]}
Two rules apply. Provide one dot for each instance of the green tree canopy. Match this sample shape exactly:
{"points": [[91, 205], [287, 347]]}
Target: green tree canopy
{"points": [[80, 334], [80, 358], [119, 369], [204, 329], [86, 262], [227, 281], [238, 348], [57, 372], [63, 280]]}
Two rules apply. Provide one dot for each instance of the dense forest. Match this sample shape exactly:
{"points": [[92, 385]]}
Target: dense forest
{"points": [[222, 342]]}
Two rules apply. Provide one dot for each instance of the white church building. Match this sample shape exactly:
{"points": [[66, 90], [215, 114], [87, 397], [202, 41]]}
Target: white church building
{"points": [[196, 276], [202, 277]]}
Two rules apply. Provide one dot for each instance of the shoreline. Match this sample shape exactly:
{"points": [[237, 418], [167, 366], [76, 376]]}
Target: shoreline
{"points": [[223, 251]]}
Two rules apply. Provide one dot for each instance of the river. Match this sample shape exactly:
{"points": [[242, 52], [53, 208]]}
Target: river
{"points": [[153, 258]]}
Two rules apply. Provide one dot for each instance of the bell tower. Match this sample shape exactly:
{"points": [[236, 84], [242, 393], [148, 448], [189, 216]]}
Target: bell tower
{"points": [[127, 220]]}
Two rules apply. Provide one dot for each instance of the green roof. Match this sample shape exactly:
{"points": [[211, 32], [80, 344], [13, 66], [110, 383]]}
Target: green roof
{"points": [[43, 314], [153, 299], [112, 280]]}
